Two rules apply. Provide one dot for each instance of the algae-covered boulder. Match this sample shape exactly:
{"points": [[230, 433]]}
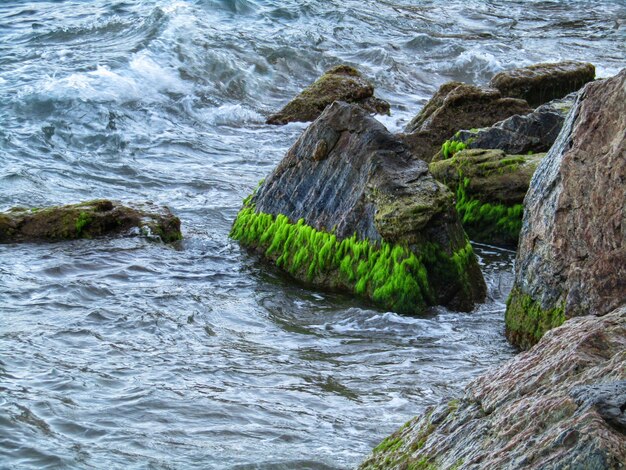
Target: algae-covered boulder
{"points": [[558, 406], [541, 83], [457, 106], [341, 83], [519, 134], [571, 259], [490, 187], [87, 220], [349, 209]]}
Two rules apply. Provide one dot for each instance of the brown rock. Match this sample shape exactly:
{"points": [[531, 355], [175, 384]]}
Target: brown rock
{"points": [[541, 83]]}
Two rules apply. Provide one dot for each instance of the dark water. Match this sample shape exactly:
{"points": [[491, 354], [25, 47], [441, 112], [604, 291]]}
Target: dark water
{"points": [[129, 354]]}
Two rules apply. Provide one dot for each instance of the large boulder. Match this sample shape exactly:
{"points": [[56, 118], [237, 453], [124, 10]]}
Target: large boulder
{"points": [[559, 405], [541, 83], [341, 83], [490, 187], [571, 259], [348, 208], [457, 106], [87, 220]]}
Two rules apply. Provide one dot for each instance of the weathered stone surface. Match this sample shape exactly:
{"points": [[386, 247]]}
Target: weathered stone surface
{"points": [[520, 134], [572, 249], [560, 405], [541, 83], [87, 220], [341, 83], [457, 106], [349, 177], [490, 187]]}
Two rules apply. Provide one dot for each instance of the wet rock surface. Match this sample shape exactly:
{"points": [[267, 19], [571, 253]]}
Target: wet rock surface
{"points": [[341, 83], [457, 106], [87, 220], [572, 250], [541, 83], [559, 405]]}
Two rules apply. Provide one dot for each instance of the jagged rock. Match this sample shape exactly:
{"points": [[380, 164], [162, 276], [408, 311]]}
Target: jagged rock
{"points": [[559, 405], [87, 220], [341, 83], [457, 106], [541, 83], [348, 208], [571, 259], [490, 187], [520, 134]]}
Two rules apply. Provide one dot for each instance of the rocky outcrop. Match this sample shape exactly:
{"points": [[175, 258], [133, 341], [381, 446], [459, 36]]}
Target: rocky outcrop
{"points": [[457, 106], [348, 208], [559, 405], [541, 83], [490, 187], [571, 259], [341, 83], [520, 134], [87, 220]]}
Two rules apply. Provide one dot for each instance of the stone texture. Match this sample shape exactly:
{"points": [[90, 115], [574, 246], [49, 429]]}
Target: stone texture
{"points": [[87, 220], [341, 83], [457, 106], [560, 405], [541, 83], [572, 250], [347, 175]]}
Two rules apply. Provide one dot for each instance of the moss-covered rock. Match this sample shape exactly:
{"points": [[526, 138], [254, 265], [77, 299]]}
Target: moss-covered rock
{"points": [[86, 220], [541, 83], [349, 209], [341, 83], [490, 187]]}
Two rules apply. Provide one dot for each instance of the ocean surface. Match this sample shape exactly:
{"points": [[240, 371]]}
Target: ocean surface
{"points": [[125, 353]]}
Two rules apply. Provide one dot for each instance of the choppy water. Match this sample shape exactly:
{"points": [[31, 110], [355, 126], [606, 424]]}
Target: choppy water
{"points": [[129, 354]]}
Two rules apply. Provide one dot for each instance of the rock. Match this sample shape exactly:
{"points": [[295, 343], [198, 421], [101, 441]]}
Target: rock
{"points": [[541, 83], [520, 134], [341, 83], [572, 248], [86, 220], [349, 209], [490, 187], [559, 405], [457, 106]]}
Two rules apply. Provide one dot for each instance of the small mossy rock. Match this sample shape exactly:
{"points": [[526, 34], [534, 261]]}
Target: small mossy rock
{"points": [[541, 83], [457, 106], [490, 187], [559, 405], [520, 134], [349, 209], [571, 258], [87, 220], [341, 83]]}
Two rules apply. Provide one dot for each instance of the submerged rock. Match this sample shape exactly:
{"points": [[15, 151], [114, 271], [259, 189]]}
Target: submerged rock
{"points": [[541, 83], [457, 106], [348, 208], [559, 405], [490, 187], [341, 83], [86, 220], [571, 259]]}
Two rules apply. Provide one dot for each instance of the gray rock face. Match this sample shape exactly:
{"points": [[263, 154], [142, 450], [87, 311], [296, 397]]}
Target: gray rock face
{"points": [[541, 83], [520, 134], [560, 405], [572, 250]]}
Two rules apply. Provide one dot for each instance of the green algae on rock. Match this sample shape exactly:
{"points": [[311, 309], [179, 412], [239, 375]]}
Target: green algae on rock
{"points": [[87, 220], [349, 209], [340, 83], [490, 187]]}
